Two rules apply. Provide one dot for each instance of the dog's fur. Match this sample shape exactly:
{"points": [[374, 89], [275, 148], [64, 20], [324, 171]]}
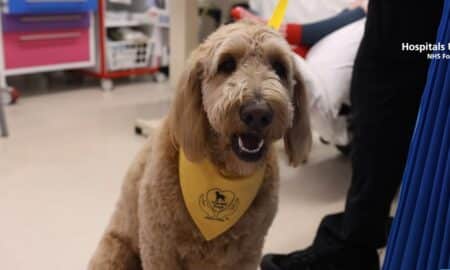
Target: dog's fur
{"points": [[151, 228]]}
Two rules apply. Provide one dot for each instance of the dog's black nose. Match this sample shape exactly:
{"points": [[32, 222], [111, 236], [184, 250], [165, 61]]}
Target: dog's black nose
{"points": [[256, 115]]}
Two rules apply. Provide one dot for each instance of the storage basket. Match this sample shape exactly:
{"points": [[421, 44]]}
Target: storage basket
{"points": [[129, 54]]}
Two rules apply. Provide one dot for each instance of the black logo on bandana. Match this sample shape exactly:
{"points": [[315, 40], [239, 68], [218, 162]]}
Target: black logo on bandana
{"points": [[218, 204]]}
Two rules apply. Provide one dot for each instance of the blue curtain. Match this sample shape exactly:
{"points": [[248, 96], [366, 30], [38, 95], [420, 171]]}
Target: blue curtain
{"points": [[420, 235]]}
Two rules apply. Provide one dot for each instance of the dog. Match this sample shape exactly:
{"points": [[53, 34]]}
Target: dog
{"points": [[239, 93]]}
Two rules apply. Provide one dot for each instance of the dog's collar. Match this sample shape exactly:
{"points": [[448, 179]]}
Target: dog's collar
{"points": [[214, 201]]}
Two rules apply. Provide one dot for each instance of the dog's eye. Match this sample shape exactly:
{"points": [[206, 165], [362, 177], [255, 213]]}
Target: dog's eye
{"points": [[279, 69], [227, 66]]}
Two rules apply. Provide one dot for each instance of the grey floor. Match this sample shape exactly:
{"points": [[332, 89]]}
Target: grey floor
{"points": [[62, 167]]}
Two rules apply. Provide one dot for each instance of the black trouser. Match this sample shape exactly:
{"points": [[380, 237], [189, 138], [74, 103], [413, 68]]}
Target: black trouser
{"points": [[386, 89]]}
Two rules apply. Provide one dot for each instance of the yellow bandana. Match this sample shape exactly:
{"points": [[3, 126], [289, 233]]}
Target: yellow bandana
{"points": [[214, 201]]}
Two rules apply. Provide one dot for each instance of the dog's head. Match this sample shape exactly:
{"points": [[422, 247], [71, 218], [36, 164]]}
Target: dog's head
{"points": [[239, 93]]}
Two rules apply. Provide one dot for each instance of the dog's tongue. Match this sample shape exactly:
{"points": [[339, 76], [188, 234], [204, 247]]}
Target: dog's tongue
{"points": [[250, 141]]}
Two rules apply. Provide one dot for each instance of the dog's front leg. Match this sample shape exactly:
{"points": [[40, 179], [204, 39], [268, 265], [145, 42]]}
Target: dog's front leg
{"points": [[157, 250], [114, 253], [157, 245], [249, 261], [159, 257]]}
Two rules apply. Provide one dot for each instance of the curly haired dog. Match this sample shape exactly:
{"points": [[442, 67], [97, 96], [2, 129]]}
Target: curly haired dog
{"points": [[239, 93]]}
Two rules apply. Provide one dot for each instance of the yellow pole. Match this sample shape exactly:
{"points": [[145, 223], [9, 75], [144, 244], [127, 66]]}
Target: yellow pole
{"points": [[278, 15]]}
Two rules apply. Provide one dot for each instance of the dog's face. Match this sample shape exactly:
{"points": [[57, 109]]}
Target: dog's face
{"points": [[239, 94]]}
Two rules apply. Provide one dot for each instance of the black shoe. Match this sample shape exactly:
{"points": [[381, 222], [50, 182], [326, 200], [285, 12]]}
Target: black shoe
{"points": [[311, 259]]}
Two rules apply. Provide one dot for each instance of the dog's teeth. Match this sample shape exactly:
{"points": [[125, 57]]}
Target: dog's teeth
{"points": [[251, 151], [241, 144], [261, 143]]}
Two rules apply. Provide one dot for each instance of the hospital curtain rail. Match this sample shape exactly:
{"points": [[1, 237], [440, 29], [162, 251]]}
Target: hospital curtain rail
{"points": [[420, 235]]}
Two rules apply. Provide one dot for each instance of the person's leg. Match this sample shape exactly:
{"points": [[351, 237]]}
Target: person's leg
{"points": [[385, 93], [381, 135], [385, 96]]}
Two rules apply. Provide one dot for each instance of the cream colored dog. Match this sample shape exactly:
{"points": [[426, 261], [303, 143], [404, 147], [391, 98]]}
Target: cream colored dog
{"points": [[240, 93]]}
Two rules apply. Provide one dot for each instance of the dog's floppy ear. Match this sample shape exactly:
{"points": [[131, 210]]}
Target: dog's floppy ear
{"points": [[298, 138], [187, 119]]}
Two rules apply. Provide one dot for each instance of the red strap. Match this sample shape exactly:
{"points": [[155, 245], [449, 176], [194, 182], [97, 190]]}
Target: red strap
{"points": [[239, 13], [301, 50], [294, 33]]}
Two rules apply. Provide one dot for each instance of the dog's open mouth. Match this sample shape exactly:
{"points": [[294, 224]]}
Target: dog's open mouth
{"points": [[248, 146]]}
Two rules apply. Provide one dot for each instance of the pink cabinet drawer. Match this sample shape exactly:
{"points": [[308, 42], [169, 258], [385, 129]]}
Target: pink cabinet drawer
{"points": [[44, 22], [29, 49]]}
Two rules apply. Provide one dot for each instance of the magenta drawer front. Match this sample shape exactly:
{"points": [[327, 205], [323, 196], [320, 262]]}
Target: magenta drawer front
{"points": [[23, 49], [29, 23]]}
